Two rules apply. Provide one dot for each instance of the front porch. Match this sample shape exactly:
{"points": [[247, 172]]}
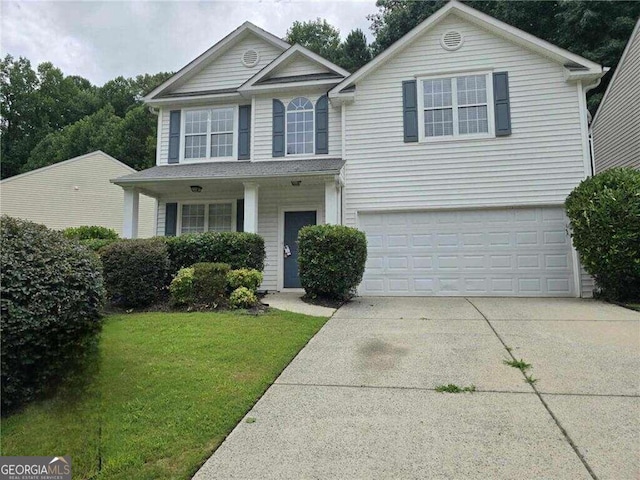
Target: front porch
{"points": [[266, 205]]}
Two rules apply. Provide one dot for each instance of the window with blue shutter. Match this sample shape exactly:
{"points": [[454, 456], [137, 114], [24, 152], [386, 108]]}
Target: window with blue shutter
{"points": [[171, 219], [174, 136], [410, 110], [322, 125], [502, 108], [244, 132], [278, 142]]}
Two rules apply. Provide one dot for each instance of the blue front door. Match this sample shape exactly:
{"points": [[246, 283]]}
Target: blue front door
{"points": [[293, 222]]}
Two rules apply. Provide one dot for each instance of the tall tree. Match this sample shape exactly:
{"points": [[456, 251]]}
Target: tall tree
{"points": [[355, 51], [597, 30], [318, 36]]}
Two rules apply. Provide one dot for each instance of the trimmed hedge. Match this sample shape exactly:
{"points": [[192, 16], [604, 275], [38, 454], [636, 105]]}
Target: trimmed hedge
{"points": [[181, 287], [604, 211], [331, 260], [135, 271], [51, 293], [210, 283], [243, 297], [90, 232], [238, 249]]}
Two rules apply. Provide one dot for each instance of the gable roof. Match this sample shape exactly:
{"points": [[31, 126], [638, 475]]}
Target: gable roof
{"points": [[66, 162], [263, 76], [214, 52], [472, 15], [635, 36]]}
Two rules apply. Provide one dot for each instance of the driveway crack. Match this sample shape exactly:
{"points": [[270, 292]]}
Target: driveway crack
{"points": [[544, 403]]}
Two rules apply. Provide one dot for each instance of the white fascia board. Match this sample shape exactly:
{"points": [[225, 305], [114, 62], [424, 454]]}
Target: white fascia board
{"points": [[483, 20], [214, 52], [250, 84], [191, 100], [283, 87]]}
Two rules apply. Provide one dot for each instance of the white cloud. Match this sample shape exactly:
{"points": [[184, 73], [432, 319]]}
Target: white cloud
{"points": [[101, 40]]}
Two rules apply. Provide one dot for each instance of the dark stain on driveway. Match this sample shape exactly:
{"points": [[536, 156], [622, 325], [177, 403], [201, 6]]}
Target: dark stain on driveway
{"points": [[379, 355]]}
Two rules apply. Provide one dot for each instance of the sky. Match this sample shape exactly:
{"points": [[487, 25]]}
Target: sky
{"points": [[100, 40]]}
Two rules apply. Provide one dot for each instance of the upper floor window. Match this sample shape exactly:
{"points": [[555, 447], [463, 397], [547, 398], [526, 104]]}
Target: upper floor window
{"points": [[300, 126], [209, 133], [456, 106]]}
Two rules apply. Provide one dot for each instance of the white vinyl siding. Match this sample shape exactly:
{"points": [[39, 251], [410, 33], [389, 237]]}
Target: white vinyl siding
{"points": [[228, 71], [74, 193], [298, 65], [616, 130], [539, 163]]}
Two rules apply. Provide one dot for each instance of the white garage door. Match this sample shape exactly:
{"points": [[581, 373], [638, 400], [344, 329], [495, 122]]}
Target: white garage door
{"points": [[507, 252]]}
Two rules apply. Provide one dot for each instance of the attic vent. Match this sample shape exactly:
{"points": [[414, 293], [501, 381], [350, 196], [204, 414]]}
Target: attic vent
{"points": [[451, 40], [250, 58]]}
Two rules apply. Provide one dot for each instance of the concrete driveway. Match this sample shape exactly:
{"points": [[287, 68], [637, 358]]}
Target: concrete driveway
{"points": [[359, 401]]}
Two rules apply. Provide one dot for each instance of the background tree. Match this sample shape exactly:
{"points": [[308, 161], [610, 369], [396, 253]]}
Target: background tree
{"points": [[355, 51], [318, 36], [597, 30]]}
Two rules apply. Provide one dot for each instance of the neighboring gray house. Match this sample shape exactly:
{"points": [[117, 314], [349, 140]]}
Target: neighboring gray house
{"points": [[453, 150], [616, 127]]}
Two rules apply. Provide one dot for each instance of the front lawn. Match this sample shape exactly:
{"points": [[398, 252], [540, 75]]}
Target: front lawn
{"points": [[169, 388]]}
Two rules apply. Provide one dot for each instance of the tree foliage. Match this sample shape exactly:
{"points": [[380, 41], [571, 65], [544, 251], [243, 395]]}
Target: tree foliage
{"points": [[324, 39], [47, 117], [597, 30]]}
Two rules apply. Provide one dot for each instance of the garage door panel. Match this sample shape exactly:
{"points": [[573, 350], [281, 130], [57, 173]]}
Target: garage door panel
{"points": [[515, 252]]}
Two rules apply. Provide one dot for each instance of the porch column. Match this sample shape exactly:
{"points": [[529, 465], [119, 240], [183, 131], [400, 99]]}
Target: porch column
{"points": [[331, 216], [130, 217], [251, 207]]}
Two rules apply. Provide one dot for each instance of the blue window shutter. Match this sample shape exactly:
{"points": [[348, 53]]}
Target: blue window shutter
{"points": [[174, 136], [501, 108], [410, 110], [240, 215], [278, 128], [322, 125], [244, 132], [171, 220]]}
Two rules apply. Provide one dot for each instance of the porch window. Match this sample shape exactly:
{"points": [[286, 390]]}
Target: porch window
{"points": [[299, 126], [209, 133], [455, 106], [212, 217]]}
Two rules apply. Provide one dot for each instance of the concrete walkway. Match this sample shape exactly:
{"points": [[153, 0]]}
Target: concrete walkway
{"points": [[359, 401], [292, 302]]}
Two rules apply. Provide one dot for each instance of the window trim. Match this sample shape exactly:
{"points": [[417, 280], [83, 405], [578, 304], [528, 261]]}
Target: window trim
{"points": [[286, 127], [422, 138], [208, 158], [206, 203]]}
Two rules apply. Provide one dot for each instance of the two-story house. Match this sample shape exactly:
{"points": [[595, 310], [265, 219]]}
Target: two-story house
{"points": [[453, 150]]}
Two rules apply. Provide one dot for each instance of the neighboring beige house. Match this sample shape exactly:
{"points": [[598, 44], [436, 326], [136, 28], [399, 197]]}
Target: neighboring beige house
{"points": [[73, 193], [616, 127]]}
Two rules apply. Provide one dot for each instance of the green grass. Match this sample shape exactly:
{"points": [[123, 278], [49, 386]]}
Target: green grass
{"points": [[168, 389], [453, 388], [519, 364]]}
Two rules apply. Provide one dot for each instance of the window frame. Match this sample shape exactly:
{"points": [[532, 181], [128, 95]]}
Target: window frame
{"points": [[422, 138], [209, 158], [286, 127], [206, 203]]}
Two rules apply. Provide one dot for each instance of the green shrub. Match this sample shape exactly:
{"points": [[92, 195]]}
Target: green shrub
{"points": [[242, 297], [51, 293], [90, 233], [238, 249], [181, 287], [97, 244], [210, 283], [244, 277], [135, 271], [604, 211], [331, 260]]}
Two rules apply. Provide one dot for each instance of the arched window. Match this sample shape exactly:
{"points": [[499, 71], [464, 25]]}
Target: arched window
{"points": [[299, 126]]}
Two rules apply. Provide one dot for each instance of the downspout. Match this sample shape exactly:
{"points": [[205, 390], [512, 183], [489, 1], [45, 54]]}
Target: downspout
{"points": [[586, 89]]}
